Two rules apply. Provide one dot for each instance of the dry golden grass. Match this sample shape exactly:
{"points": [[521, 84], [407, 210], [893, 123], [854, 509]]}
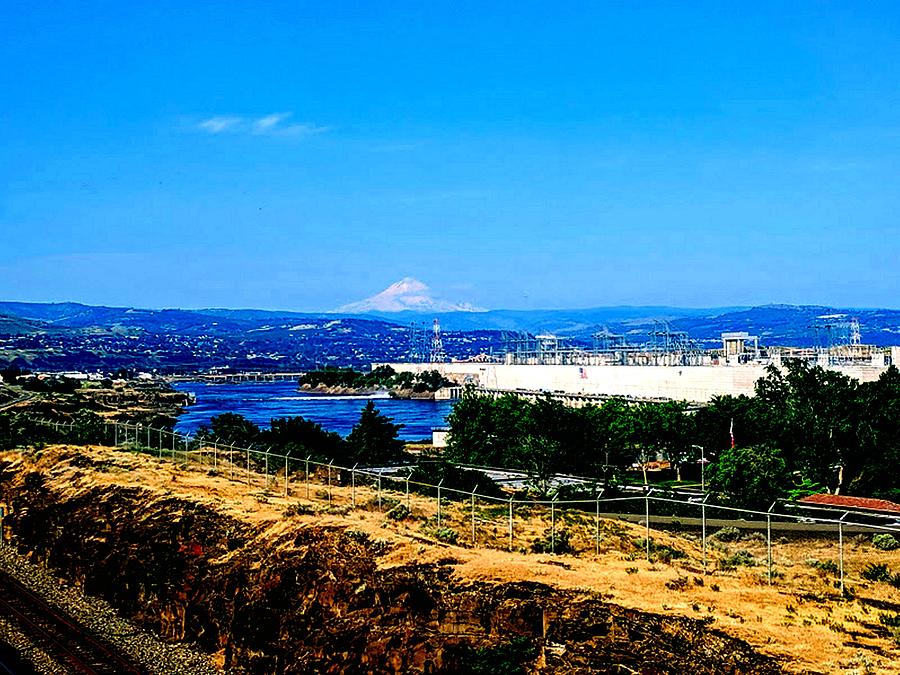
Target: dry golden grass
{"points": [[801, 618]]}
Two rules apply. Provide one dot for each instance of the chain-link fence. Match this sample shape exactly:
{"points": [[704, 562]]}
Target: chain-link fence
{"points": [[726, 537]]}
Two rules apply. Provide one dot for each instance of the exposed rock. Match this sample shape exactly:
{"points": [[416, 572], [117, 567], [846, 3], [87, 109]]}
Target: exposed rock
{"points": [[290, 597]]}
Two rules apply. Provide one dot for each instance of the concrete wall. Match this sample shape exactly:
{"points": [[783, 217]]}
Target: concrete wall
{"points": [[691, 383]]}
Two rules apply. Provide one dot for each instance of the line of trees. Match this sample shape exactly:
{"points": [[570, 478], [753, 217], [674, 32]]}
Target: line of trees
{"points": [[372, 441], [806, 429]]}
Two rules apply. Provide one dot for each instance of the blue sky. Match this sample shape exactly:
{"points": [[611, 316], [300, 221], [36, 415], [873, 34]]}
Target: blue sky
{"points": [[521, 155]]}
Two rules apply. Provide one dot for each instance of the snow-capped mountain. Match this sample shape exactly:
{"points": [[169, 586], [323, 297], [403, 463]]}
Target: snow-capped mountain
{"points": [[406, 295]]}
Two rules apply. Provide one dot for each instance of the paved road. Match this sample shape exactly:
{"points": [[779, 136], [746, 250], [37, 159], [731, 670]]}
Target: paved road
{"points": [[27, 395], [756, 525]]}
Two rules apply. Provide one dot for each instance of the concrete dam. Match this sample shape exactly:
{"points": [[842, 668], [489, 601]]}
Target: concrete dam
{"points": [[696, 384]]}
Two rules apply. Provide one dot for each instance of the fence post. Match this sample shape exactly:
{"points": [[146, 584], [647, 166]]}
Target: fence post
{"points": [[841, 550], [769, 541], [231, 461], [407, 487], [473, 515], [215, 454], [647, 518], [511, 522], [597, 529], [248, 466], [379, 491], [439, 501], [329, 480], [703, 518], [266, 452], [116, 427], [159, 442], [307, 475], [553, 524], [287, 459], [353, 485]]}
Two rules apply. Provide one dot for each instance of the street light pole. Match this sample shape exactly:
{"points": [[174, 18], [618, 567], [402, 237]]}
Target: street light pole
{"points": [[702, 467]]}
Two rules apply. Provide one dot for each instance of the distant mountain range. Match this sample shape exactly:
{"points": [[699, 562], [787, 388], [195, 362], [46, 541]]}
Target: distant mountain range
{"points": [[72, 334], [774, 324]]}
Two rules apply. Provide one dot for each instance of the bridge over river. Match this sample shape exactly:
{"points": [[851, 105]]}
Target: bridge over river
{"points": [[246, 376]]}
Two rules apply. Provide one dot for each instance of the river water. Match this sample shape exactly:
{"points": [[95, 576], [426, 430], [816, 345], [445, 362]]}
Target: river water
{"points": [[261, 401]]}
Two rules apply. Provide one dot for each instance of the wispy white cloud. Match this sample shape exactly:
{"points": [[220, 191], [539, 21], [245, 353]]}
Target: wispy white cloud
{"points": [[273, 124], [269, 123], [219, 124]]}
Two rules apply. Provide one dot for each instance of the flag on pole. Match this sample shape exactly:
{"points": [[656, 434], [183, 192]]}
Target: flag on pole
{"points": [[731, 432]]}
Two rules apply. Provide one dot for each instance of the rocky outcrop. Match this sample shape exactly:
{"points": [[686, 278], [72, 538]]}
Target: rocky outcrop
{"points": [[297, 596]]}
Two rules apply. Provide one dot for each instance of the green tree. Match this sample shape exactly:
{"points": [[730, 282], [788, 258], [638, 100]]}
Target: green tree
{"points": [[302, 437], [485, 431], [872, 467], [750, 477], [374, 438], [88, 427], [540, 457], [230, 428], [812, 415]]}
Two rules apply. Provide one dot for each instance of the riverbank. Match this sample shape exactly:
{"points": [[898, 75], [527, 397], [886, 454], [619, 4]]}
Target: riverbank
{"points": [[152, 403], [394, 392]]}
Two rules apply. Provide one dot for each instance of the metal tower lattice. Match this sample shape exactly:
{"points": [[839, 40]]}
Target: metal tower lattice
{"points": [[418, 343], [855, 335], [437, 344]]}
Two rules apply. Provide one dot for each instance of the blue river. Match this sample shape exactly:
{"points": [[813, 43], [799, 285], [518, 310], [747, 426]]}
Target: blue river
{"points": [[261, 401]]}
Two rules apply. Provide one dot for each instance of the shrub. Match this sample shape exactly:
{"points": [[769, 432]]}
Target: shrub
{"points": [[546, 543], [876, 572], [445, 534], [890, 620], [299, 509], [826, 566], [677, 584], [387, 503], [508, 658], [399, 512], [738, 559], [885, 542], [727, 534], [659, 552]]}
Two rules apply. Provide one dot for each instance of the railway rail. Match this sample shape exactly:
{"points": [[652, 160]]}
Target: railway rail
{"points": [[61, 637]]}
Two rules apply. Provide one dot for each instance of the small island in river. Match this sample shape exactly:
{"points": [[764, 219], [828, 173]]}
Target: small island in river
{"points": [[350, 382]]}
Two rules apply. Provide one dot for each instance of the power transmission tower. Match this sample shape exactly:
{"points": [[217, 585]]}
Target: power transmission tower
{"points": [[418, 344], [855, 336], [437, 344]]}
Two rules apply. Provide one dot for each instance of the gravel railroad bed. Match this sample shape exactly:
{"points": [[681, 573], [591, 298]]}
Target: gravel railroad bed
{"points": [[141, 646]]}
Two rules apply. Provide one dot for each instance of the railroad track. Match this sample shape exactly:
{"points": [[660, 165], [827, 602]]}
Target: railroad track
{"points": [[61, 637]]}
